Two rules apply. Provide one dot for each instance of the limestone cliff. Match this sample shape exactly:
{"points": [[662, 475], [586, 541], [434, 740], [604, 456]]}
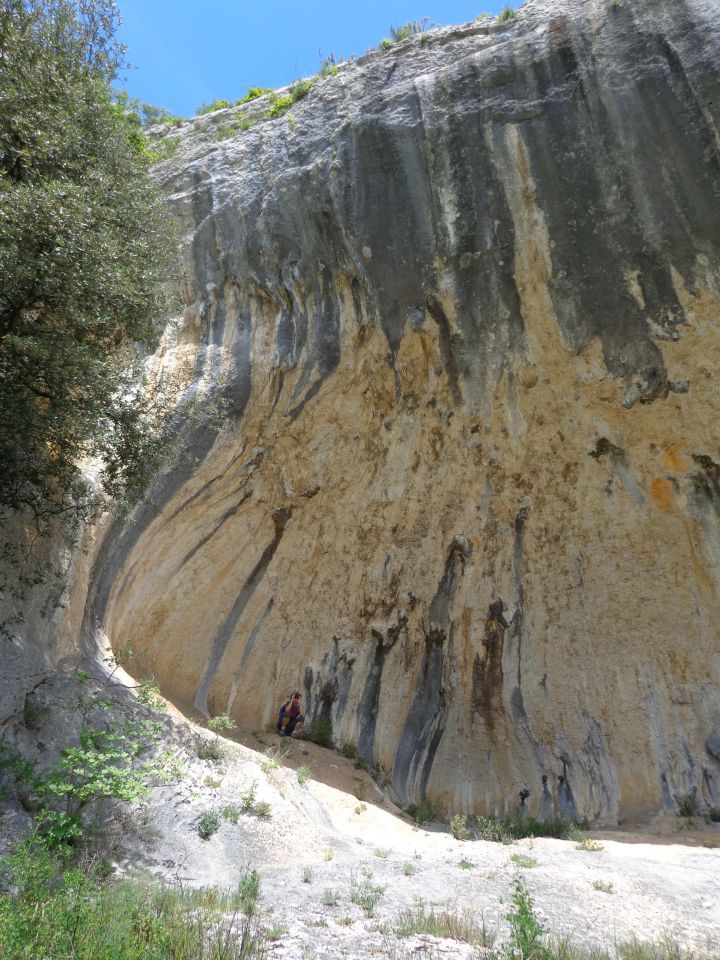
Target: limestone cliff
{"points": [[463, 310]]}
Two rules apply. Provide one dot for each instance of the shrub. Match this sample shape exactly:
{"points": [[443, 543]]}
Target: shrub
{"points": [[210, 750], [227, 130], [329, 898], [688, 805], [307, 876], [507, 13], [714, 814], [163, 150], [321, 731], [303, 775], [328, 67], [459, 827], [424, 812], [249, 891], [381, 852], [380, 775], [348, 750], [208, 824], [526, 931], [507, 829], [605, 885], [328, 855], [466, 864], [103, 766], [490, 828], [251, 806], [33, 715], [212, 107], [280, 104], [221, 722], [300, 89], [59, 830], [385, 44], [253, 94], [409, 869], [149, 114]]}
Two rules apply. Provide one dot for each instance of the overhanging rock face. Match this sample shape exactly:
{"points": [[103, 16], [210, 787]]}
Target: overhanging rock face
{"points": [[462, 310]]}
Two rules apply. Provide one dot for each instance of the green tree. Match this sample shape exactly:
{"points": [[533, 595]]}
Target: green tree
{"points": [[84, 248]]}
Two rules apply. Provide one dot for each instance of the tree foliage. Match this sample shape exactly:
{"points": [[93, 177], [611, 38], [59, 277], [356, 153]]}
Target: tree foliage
{"points": [[84, 248]]}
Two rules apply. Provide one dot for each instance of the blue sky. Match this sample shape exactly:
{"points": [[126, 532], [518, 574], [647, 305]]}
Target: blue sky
{"points": [[186, 52]]}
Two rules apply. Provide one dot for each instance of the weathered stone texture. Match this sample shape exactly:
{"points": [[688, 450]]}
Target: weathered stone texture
{"points": [[464, 312]]}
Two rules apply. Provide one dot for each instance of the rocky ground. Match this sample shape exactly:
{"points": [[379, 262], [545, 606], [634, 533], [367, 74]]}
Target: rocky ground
{"points": [[337, 840], [341, 866]]}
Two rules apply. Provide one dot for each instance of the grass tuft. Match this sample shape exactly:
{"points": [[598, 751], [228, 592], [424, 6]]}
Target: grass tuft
{"points": [[589, 845], [447, 921], [366, 894], [527, 863]]}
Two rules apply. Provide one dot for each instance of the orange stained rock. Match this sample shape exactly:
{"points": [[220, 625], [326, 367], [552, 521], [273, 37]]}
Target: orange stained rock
{"points": [[675, 460], [662, 493]]}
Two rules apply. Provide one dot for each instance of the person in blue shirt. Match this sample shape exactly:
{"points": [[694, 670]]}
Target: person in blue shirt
{"points": [[291, 716]]}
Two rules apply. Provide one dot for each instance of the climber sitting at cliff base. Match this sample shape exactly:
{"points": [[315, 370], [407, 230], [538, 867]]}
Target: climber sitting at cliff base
{"points": [[290, 717]]}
